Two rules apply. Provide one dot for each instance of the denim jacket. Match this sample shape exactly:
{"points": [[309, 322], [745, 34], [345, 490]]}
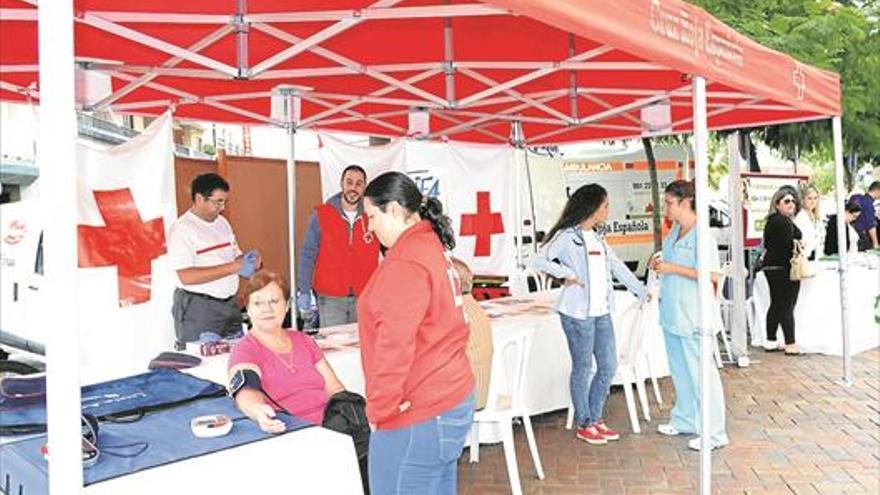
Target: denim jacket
{"points": [[568, 247]]}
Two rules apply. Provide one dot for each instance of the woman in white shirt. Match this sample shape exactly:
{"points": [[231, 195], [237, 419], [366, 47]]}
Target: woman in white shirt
{"points": [[576, 253], [811, 223]]}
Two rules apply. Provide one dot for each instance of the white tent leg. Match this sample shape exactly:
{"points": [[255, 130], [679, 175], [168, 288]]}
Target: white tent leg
{"points": [[840, 192], [707, 336], [737, 258], [291, 207], [56, 156]]}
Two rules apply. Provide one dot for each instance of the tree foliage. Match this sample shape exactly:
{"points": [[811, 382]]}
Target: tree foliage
{"points": [[841, 36]]}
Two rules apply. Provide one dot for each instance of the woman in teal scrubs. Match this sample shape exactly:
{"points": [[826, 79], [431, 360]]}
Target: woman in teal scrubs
{"points": [[679, 318]]}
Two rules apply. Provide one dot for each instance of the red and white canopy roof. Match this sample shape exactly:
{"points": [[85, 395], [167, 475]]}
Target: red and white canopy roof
{"points": [[568, 70]]}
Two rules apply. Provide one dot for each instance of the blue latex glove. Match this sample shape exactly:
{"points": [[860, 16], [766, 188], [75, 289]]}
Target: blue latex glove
{"points": [[304, 301], [249, 263]]}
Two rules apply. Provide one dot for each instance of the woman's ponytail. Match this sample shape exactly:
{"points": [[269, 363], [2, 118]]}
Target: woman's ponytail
{"points": [[431, 209]]}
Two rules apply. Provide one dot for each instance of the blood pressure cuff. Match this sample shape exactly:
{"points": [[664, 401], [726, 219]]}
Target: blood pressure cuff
{"points": [[128, 397], [243, 379]]}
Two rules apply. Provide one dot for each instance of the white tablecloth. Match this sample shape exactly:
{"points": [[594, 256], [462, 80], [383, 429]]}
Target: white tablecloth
{"points": [[313, 460], [549, 365], [548, 368], [817, 314]]}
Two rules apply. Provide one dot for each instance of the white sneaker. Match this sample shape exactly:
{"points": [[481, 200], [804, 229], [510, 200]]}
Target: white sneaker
{"points": [[771, 345], [694, 444], [667, 429]]}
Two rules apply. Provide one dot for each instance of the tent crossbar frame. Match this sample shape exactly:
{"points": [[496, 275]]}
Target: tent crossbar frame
{"points": [[718, 111], [170, 63], [346, 120], [531, 76], [156, 44], [489, 82], [609, 106], [479, 129], [380, 92], [352, 65], [470, 124], [317, 38], [380, 123], [192, 98]]}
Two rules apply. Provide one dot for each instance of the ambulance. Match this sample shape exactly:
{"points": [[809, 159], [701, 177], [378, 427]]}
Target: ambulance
{"points": [[629, 228]]}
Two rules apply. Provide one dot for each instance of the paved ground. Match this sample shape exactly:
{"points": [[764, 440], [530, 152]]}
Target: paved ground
{"points": [[793, 430]]}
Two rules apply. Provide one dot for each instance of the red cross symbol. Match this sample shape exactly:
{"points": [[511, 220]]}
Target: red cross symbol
{"points": [[482, 224], [125, 241], [799, 79]]}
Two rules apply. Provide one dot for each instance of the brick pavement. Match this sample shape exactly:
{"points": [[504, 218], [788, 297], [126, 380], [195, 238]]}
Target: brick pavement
{"points": [[793, 430]]}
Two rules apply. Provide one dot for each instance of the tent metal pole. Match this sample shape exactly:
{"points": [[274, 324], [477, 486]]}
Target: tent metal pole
{"points": [[241, 38], [704, 283], [737, 317], [842, 247], [291, 194], [531, 186], [56, 156], [517, 141]]}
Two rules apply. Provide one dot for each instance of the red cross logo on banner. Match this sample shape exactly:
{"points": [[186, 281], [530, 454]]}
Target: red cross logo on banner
{"points": [[125, 241], [482, 225]]}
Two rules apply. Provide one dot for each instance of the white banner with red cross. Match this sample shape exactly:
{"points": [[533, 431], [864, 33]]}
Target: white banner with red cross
{"points": [[476, 184], [126, 206]]}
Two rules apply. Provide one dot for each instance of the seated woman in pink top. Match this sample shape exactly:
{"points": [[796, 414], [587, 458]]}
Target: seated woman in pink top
{"points": [[283, 367]]}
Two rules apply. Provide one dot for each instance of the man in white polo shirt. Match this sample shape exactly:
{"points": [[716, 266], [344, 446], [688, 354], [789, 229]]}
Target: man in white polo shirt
{"points": [[208, 262]]}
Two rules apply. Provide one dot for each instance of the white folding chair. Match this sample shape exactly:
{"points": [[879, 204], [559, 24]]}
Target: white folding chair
{"points": [[628, 362], [505, 405], [722, 317], [542, 280]]}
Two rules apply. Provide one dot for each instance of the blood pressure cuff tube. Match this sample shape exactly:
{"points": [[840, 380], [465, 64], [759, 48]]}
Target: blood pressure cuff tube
{"points": [[242, 379]]}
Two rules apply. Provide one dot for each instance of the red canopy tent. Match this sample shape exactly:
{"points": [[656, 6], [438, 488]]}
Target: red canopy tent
{"points": [[561, 70], [568, 70]]}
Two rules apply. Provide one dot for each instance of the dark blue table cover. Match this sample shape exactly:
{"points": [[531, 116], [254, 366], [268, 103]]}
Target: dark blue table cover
{"points": [[165, 433]]}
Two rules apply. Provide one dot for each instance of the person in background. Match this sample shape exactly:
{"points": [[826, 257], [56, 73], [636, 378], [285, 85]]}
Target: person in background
{"points": [[277, 367], [479, 348], [338, 254], [780, 234], [679, 318], [575, 252], [866, 223], [420, 388], [853, 212], [203, 251], [811, 223]]}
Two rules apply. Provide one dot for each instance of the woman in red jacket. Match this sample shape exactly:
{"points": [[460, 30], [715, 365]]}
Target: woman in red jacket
{"points": [[420, 389]]}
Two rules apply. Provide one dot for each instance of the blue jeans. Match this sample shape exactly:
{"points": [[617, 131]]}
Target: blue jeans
{"points": [[587, 338], [421, 458]]}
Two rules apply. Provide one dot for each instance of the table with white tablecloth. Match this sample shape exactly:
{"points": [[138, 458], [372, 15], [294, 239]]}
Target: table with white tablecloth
{"points": [[547, 370], [309, 460], [817, 313], [312, 460], [549, 365]]}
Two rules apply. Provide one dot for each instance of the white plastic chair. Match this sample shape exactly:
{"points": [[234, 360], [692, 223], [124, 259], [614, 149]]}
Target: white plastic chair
{"points": [[721, 321], [505, 405], [628, 363], [542, 280]]}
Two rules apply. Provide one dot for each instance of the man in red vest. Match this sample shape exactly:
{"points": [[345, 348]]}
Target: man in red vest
{"points": [[339, 253]]}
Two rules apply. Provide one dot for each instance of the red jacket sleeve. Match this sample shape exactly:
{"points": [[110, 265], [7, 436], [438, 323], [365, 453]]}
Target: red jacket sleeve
{"points": [[399, 303]]}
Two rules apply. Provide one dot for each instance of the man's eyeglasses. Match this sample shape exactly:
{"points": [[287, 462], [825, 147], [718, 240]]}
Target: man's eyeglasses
{"points": [[219, 203]]}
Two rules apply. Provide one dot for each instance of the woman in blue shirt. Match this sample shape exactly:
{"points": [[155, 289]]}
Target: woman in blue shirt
{"points": [[577, 254], [679, 318]]}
